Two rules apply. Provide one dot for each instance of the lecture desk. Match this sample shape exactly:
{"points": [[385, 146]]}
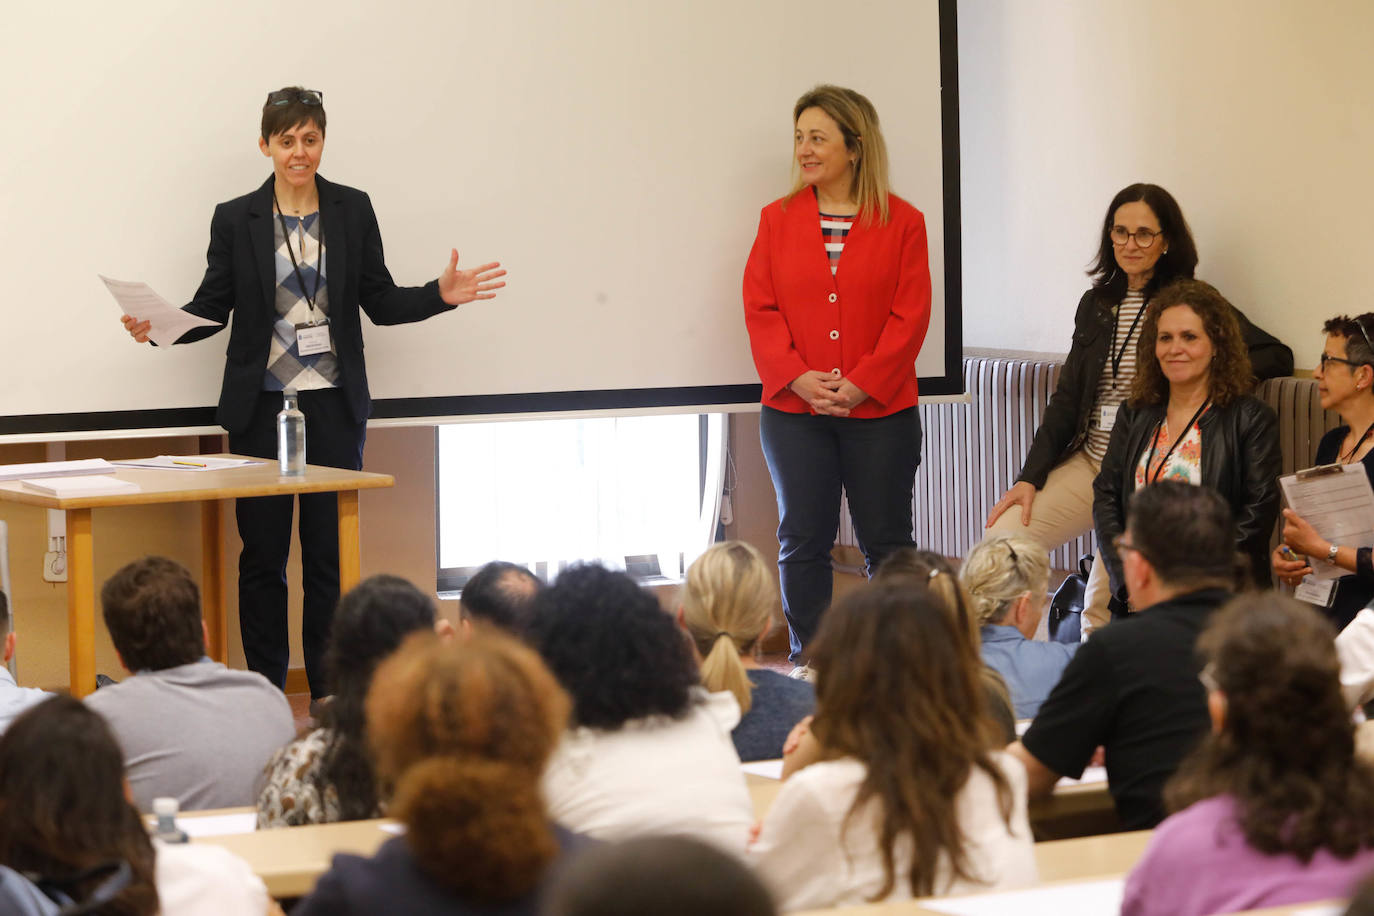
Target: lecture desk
{"points": [[207, 488]]}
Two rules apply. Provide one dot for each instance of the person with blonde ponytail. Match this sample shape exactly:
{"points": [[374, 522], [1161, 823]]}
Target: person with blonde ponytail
{"points": [[1007, 577], [461, 736], [727, 608]]}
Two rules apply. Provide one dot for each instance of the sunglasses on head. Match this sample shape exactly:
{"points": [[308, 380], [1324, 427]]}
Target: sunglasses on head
{"points": [[287, 96]]}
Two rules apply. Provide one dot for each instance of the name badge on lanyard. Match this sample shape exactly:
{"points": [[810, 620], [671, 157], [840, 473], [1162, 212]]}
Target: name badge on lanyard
{"points": [[312, 338], [1320, 592], [1106, 417]]}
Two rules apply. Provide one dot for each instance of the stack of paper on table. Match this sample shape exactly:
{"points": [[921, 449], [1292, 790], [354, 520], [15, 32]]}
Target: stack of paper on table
{"points": [[187, 463], [84, 466], [69, 487]]}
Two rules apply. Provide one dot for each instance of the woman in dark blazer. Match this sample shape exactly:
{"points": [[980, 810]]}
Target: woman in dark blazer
{"points": [[837, 301], [1189, 418], [293, 262]]}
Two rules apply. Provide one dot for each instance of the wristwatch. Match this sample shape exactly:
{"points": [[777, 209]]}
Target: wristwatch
{"points": [[1331, 552]]}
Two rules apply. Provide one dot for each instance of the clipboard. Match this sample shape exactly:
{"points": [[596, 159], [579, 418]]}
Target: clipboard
{"points": [[1336, 500]]}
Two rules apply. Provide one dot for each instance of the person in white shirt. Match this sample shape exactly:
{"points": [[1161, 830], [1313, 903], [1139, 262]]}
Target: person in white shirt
{"points": [[66, 807], [892, 792], [13, 698], [649, 751]]}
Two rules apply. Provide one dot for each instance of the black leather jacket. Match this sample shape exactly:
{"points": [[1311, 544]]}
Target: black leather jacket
{"points": [[1071, 406], [1240, 460]]}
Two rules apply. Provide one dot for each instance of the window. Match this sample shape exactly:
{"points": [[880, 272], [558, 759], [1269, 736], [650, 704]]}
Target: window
{"points": [[636, 493]]}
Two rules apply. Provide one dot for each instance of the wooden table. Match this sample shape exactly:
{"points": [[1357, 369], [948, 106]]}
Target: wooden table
{"points": [[289, 860], [206, 488]]}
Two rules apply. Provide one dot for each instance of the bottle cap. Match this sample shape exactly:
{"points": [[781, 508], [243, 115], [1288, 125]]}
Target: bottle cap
{"points": [[165, 806]]}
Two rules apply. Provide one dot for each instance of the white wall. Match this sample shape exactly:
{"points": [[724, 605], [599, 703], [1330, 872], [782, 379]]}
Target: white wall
{"points": [[1258, 115]]}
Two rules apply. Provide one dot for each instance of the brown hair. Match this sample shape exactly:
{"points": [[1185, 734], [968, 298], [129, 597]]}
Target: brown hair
{"points": [[858, 123], [463, 733], [62, 803], [295, 113], [1231, 376], [1286, 751], [899, 690], [727, 604], [152, 610], [1357, 332]]}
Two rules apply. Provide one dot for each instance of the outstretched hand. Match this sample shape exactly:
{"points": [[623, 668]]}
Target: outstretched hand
{"points": [[459, 286]]}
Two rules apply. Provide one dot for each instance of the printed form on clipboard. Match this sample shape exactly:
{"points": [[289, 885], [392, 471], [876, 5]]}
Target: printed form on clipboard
{"points": [[1337, 500]]}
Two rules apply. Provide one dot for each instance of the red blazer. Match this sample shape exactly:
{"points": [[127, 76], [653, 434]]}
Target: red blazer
{"points": [[865, 323]]}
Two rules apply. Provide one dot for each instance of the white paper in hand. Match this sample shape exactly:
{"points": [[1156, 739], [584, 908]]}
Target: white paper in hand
{"points": [[137, 300]]}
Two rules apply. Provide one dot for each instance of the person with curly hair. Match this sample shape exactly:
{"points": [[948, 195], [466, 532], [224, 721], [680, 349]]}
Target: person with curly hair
{"points": [[326, 776], [1190, 418], [1275, 807], [1006, 577], [65, 812], [461, 735], [728, 603], [648, 750], [906, 799]]}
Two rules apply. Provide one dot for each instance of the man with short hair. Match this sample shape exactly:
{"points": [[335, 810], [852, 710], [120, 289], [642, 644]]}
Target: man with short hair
{"points": [[13, 698], [189, 727], [1133, 688], [500, 594]]}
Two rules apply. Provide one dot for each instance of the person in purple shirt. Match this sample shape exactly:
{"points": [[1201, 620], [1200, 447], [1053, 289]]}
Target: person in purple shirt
{"points": [[1274, 807]]}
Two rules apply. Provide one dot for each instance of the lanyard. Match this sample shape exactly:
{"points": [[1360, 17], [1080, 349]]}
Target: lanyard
{"points": [[1120, 354], [1342, 459], [310, 297], [1163, 462]]}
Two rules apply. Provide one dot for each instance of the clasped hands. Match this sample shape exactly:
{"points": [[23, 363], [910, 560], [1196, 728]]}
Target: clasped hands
{"points": [[828, 395]]}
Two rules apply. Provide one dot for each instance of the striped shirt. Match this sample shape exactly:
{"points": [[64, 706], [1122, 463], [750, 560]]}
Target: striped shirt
{"points": [[834, 230], [1113, 388]]}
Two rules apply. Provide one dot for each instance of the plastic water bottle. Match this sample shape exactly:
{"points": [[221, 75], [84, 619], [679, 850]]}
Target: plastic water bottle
{"points": [[291, 436], [166, 830]]}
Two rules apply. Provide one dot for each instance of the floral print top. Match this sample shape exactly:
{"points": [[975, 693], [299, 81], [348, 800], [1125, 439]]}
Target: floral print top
{"points": [[1184, 463]]}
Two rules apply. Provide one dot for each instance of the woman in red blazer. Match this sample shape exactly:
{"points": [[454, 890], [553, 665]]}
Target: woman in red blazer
{"points": [[837, 301], [301, 251]]}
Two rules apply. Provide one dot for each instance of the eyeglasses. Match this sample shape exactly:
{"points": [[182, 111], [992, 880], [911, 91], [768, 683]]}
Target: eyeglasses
{"points": [[1328, 358], [1144, 238], [287, 96], [1208, 677], [1363, 333], [1124, 546]]}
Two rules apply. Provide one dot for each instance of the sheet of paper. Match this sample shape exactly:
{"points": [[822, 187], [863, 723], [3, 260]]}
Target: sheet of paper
{"points": [[71, 487], [1091, 776], [187, 463], [76, 468], [1340, 505], [213, 824], [769, 769], [138, 300], [1084, 897]]}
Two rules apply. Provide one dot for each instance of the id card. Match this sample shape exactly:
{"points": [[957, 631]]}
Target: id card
{"points": [[1321, 592], [312, 339], [1106, 417]]}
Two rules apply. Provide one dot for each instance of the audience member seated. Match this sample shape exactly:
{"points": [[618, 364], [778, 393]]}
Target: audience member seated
{"points": [[893, 791], [1275, 807], [649, 750], [1355, 649], [13, 698], [326, 776], [190, 727], [65, 809], [462, 733], [1007, 577], [923, 569], [1133, 688], [500, 594], [727, 607], [662, 876]]}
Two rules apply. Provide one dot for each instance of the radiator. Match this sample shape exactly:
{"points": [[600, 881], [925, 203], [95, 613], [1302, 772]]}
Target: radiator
{"points": [[973, 452]]}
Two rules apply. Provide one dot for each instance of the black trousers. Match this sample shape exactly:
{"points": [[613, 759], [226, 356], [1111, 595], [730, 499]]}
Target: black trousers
{"points": [[333, 438], [812, 459]]}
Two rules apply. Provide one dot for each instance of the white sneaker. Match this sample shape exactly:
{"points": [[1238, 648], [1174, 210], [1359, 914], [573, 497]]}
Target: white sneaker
{"points": [[803, 673]]}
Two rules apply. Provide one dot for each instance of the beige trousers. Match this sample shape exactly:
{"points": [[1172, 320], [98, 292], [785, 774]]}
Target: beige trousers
{"points": [[1062, 511]]}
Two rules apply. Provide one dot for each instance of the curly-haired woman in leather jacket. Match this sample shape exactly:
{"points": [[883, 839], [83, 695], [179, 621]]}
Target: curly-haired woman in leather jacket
{"points": [[1144, 245], [1190, 418]]}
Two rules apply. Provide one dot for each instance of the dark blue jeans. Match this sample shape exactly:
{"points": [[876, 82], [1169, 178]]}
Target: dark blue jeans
{"points": [[332, 438], [812, 458]]}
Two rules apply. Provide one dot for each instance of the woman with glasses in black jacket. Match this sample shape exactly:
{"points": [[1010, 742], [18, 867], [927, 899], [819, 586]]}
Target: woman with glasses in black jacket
{"points": [[1345, 380]]}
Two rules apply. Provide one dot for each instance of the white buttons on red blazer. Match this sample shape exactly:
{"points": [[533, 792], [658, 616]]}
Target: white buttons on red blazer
{"points": [[834, 335], [836, 372], [834, 298]]}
